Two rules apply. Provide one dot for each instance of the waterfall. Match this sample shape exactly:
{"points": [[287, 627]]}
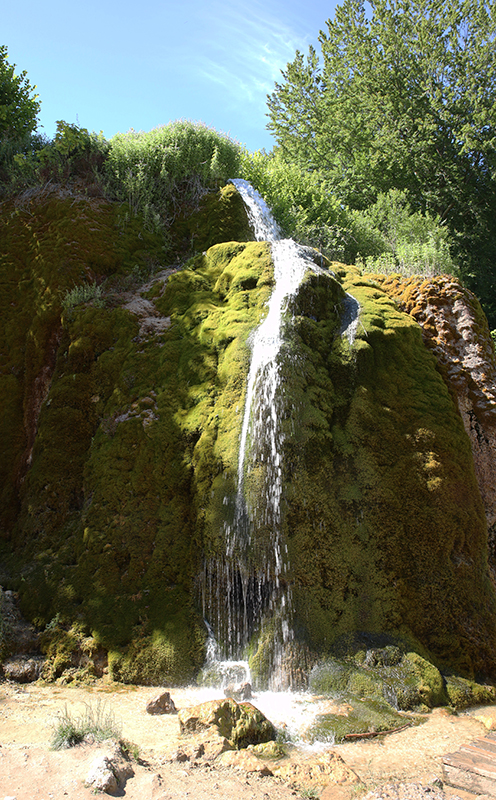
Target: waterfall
{"points": [[253, 594]]}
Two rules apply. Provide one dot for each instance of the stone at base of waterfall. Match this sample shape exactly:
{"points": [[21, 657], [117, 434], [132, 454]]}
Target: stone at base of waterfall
{"points": [[322, 770], [240, 723], [245, 761], [109, 771], [161, 704], [241, 691], [206, 746]]}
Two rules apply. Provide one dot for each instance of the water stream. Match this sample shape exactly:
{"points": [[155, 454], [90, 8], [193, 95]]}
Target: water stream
{"points": [[252, 590]]}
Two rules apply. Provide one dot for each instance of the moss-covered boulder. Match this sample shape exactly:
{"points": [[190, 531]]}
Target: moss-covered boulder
{"points": [[405, 680], [354, 716], [240, 723], [463, 693]]}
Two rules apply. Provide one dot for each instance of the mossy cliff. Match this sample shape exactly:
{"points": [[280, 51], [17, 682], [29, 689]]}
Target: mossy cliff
{"points": [[120, 430], [384, 519]]}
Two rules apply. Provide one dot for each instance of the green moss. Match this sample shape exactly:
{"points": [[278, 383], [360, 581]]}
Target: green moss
{"points": [[463, 693], [380, 488], [112, 510], [358, 716], [221, 217]]}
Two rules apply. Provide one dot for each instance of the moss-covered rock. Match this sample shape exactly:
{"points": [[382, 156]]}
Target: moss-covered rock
{"points": [[240, 723], [405, 680], [355, 716], [380, 489], [119, 456], [463, 693]]}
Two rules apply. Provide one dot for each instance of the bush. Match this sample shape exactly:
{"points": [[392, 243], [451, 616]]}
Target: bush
{"points": [[98, 722], [161, 171], [390, 237], [74, 152]]}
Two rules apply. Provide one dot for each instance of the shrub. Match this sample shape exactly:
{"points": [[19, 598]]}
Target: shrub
{"points": [[171, 166], [74, 152], [391, 237]]}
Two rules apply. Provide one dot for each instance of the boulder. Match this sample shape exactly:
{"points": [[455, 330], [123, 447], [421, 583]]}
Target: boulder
{"points": [[240, 724], [245, 761], [327, 768], [109, 771], [240, 691], [101, 777], [22, 670], [207, 745], [161, 704]]}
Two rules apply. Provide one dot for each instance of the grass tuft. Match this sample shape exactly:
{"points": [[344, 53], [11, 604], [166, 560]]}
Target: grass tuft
{"points": [[97, 722]]}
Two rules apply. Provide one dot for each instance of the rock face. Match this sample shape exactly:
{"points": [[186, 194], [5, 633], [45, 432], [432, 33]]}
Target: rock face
{"points": [[119, 439], [456, 331]]}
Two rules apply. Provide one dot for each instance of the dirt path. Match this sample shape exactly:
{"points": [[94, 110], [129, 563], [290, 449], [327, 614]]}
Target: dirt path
{"points": [[29, 770]]}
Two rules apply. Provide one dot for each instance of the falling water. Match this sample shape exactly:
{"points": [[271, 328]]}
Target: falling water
{"points": [[254, 583]]}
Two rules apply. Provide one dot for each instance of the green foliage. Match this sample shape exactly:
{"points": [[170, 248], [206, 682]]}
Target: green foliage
{"points": [[84, 293], [97, 722], [19, 107], [74, 152], [390, 237], [170, 167], [303, 204], [403, 98]]}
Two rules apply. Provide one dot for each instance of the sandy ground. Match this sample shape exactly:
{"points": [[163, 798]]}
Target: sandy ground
{"points": [[30, 770]]}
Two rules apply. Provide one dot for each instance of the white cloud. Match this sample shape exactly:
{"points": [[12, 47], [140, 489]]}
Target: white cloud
{"points": [[247, 54]]}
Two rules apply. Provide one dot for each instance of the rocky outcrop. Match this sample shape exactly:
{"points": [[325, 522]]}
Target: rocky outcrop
{"points": [[116, 536], [456, 332]]}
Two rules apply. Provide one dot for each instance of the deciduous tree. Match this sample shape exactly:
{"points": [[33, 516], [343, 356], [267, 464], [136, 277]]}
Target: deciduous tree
{"points": [[19, 106], [403, 95]]}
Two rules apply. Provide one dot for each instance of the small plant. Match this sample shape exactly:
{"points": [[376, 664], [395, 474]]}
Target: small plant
{"points": [[98, 722], [130, 749], [311, 792], [84, 293]]}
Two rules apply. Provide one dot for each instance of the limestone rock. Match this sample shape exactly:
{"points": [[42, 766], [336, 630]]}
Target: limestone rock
{"points": [[109, 771], [240, 723], [246, 761], [101, 777], [161, 704], [328, 768], [207, 745], [22, 670]]}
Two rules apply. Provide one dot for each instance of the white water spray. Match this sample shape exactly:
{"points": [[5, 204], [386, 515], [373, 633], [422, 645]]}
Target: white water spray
{"points": [[256, 558]]}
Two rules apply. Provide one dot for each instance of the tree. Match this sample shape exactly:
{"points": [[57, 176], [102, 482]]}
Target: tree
{"points": [[19, 107], [403, 97]]}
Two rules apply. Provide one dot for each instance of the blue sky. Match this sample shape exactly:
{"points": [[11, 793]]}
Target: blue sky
{"points": [[113, 66]]}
